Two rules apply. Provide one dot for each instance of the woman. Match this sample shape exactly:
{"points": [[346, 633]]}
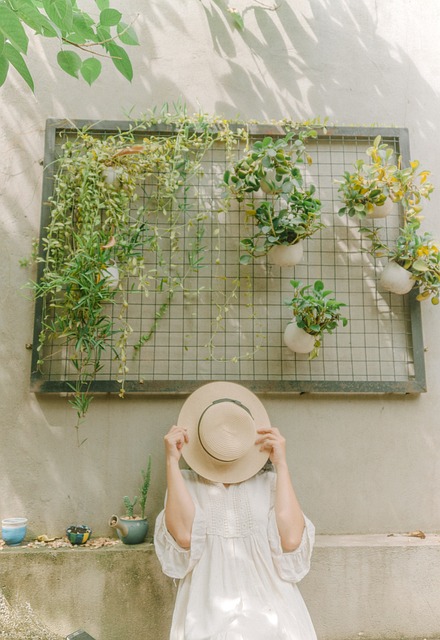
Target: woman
{"points": [[233, 534]]}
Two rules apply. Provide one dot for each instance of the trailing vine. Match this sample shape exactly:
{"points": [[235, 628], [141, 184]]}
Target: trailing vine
{"points": [[116, 197]]}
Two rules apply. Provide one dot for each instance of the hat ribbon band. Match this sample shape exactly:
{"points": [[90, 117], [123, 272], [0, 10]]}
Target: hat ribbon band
{"points": [[237, 402]]}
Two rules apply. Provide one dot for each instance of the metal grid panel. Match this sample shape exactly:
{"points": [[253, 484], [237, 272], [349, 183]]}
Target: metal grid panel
{"points": [[230, 332]]}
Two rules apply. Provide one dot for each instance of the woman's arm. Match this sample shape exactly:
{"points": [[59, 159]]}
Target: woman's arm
{"points": [[288, 513], [179, 506]]}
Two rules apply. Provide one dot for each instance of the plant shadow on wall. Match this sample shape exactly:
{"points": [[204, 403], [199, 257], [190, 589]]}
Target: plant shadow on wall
{"points": [[116, 199]]}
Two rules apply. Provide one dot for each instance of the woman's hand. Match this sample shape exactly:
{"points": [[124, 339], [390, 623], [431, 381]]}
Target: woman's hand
{"points": [[272, 441], [174, 441]]}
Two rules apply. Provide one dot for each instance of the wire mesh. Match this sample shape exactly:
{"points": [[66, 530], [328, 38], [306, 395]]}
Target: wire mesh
{"points": [[226, 321]]}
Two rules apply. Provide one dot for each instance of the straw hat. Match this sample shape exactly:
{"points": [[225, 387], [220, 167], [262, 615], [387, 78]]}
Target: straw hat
{"points": [[222, 419]]}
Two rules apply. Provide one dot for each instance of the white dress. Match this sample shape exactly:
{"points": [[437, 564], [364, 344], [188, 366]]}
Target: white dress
{"points": [[235, 581]]}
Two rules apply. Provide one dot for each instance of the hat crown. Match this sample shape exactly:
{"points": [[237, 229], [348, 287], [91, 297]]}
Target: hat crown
{"points": [[226, 430]]}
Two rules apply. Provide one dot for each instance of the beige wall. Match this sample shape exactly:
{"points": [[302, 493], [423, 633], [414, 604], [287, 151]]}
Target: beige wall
{"points": [[360, 464]]}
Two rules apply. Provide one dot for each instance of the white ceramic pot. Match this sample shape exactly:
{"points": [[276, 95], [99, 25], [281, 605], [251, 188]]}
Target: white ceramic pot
{"points": [[269, 184], [112, 176], [111, 272], [381, 211], [286, 255], [396, 279], [298, 340]]}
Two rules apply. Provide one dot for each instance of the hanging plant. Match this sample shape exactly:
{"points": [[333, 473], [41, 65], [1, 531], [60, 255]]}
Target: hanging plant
{"points": [[298, 218], [413, 256], [315, 312], [93, 248], [372, 188], [270, 165], [123, 224]]}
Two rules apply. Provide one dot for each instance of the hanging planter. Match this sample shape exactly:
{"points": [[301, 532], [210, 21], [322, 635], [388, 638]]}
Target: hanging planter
{"points": [[315, 313], [396, 279], [111, 274], [381, 210], [286, 255], [280, 231], [270, 184], [298, 340], [112, 176], [414, 260], [372, 188]]}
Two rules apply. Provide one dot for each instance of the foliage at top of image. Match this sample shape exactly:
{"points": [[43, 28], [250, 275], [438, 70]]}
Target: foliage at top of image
{"points": [[86, 40], [77, 32]]}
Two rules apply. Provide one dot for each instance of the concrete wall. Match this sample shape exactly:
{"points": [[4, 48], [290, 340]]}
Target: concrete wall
{"points": [[359, 586], [361, 464]]}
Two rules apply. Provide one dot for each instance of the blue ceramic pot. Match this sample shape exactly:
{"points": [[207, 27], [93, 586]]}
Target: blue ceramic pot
{"points": [[79, 533], [130, 531], [14, 530]]}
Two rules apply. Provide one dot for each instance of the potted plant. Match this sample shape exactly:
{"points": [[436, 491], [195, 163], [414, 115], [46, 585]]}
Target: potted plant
{"points": [[315, 312], [373, 187], [131, 528], [78, 533], [413, 259], [14, 530], [270, 165], [282, 231]]}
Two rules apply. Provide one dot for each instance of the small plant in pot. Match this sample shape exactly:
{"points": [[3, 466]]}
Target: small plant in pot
{"points": [[373, 187], [413, 259], [315, 312], [131, 528], [282, 231], [270, 165]]}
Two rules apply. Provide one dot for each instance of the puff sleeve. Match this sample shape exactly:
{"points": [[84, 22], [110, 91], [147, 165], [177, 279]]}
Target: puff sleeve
{"points": [[294, 565], [177, 562]]}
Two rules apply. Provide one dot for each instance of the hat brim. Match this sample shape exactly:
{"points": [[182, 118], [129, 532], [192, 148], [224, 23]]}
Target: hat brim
{"points": [[193, 452]]}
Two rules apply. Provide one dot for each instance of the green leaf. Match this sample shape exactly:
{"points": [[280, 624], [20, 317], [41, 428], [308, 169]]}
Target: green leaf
{"points": [[102, 4], [420, 265], [110, 17], [28, 13], [82, 27], [17, 61], [70, 62], [4, 66], [60, 12], [319, 285], [90, 70], [237, 20], [127, 34], [245, 259], [12, 29], [121, 60], [2, 43], [103, 34]]}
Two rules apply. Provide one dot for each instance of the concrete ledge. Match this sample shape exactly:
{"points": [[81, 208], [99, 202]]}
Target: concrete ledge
{"points": [[373, 585]]}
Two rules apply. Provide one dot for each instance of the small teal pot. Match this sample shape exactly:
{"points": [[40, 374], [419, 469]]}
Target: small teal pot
{"points": [[14, 530], [78, 534], [130, 531]]}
